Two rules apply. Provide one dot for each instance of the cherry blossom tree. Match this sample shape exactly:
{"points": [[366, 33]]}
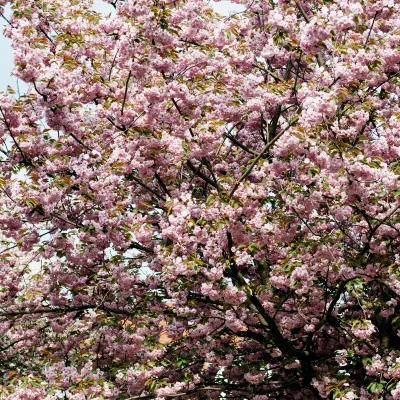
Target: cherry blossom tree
{"points": [[201, 207]]}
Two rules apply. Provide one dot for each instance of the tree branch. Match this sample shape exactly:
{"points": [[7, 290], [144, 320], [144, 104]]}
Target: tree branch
{"points": [[25, 160], [264, 150], [197, 172], [126, 92]]}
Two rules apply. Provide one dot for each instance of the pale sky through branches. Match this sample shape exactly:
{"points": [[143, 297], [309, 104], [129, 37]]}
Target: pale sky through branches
{"points": [[6, 58]]}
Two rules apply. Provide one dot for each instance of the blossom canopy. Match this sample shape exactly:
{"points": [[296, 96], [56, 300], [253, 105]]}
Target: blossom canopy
{"points": [[195, 206]]}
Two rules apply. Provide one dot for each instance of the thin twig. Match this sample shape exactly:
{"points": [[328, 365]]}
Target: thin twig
{"points": [[267, 71], [264, 150], [305, 16], [112, 65], [47, 36], [201, 175], [239, 144], [370, 30], [162, 184], [137, 180], [126, 92], [4, 17], [302, 12], [25, 160], [181, 113], [80, 141]]}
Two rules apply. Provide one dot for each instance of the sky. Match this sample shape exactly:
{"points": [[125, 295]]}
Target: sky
{"points": [[6, 61]]}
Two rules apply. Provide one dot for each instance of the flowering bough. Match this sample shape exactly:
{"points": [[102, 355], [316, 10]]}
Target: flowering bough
{"points": [[201, 207]]}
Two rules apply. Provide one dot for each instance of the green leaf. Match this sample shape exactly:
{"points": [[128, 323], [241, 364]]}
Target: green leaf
{"points": [[10, 90]]}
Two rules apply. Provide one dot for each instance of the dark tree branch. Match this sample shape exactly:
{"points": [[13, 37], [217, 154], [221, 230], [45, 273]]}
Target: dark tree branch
{"points": [[126, 92]]}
